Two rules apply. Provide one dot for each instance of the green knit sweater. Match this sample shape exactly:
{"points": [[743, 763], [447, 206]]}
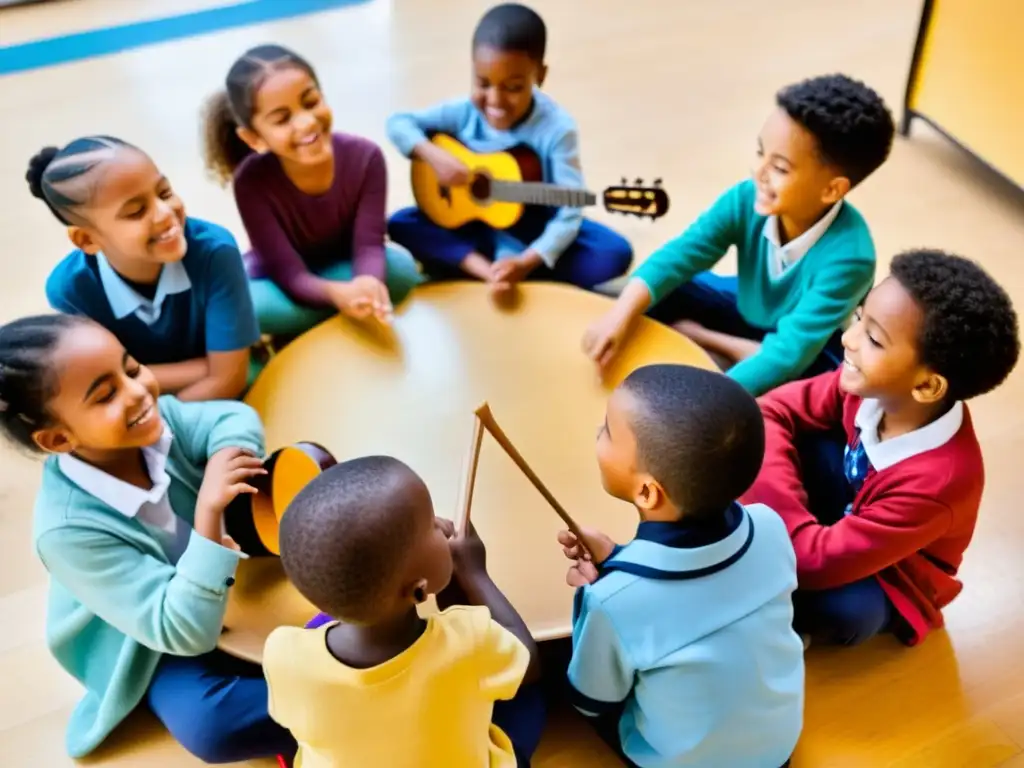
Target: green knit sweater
{"points": [[800, 308]]}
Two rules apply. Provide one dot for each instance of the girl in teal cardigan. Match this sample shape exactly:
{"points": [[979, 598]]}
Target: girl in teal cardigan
{"points": [[129, 524]]}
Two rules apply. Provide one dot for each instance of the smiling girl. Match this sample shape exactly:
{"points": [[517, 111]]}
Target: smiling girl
{"points": [[129, 524], [171, 288], [312, 201]]}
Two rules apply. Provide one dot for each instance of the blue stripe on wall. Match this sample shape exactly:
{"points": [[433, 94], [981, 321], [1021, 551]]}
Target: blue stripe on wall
{"points": [[103, 42]]}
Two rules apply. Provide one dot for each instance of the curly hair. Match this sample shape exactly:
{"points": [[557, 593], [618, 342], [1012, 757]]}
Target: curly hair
{"points": [[851, 123], [970, 332]]}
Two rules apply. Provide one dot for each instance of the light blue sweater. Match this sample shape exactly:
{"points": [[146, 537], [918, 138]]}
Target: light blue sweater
{"points": [[548, 130], [116, 604]]}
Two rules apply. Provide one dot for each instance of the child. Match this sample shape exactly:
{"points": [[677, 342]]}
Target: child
{"points": [[312, 201], [382, 686], [880, 522], [171, 288], [683, 639], [506, 108], [129, 524], [805, 256]]}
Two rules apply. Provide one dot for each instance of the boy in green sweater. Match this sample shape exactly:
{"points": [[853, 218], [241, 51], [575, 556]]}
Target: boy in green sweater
{"points": [[806, 258]]}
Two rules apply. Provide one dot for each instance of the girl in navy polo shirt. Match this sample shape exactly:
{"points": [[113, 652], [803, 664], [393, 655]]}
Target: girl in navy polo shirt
{"points": [[172, 289]]}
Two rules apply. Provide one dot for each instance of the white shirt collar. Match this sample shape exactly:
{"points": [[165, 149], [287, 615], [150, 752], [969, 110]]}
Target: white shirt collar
{"points": [[787, 255], [885, 453], [117, 494], [125, 300]]}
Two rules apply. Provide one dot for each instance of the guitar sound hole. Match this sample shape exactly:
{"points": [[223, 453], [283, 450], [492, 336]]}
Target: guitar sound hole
{"points": [[480, 187]]}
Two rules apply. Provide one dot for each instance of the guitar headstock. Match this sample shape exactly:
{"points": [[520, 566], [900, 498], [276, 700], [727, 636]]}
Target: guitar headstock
{"points": [[637, 199]]}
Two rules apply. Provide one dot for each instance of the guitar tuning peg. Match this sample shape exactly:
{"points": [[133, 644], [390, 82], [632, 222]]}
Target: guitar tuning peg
{"points": [[639, 181], [624, 182], [657, 182]]}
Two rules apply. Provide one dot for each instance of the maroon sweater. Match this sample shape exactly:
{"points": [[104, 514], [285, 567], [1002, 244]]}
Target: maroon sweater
{"points": [[294, 235], [910, 522]]}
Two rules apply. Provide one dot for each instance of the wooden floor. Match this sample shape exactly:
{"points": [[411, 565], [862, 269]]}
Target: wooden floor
{"points": [[676, 90]]}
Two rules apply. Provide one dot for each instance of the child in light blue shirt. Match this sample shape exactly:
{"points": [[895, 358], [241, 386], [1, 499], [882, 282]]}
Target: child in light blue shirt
{"points": [[683, 646], [506, 109], [129, 525]]}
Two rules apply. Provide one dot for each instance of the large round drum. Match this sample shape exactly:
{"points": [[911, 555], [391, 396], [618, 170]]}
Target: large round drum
{"points": [[409, 391]]}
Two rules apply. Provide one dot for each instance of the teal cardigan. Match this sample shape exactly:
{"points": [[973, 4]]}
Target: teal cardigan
{"points": [[116, 604], [800, 309]]}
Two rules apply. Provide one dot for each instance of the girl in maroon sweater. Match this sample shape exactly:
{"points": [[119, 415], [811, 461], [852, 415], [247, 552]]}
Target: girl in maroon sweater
{"points": [[875, 468], [311, 201]]}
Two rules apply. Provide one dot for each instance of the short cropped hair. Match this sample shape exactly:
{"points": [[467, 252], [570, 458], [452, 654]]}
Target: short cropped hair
{"points": [[344, 536], [512, 27], [698, 433], [851, 123], [970, 333]]}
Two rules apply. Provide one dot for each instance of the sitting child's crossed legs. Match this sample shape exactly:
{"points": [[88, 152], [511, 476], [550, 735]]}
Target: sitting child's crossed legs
{"points": [[852, 613]]}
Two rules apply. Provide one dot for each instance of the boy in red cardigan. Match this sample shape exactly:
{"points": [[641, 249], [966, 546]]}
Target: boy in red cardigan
{"points": [[875, 468]]}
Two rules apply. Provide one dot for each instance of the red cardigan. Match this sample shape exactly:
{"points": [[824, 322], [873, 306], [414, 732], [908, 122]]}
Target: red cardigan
{"points": [[910, 522]]}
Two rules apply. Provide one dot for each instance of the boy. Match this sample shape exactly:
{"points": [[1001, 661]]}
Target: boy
{"points": [[382, 686], [683, 638], [805, 256], [506, 108], [880, 524]]}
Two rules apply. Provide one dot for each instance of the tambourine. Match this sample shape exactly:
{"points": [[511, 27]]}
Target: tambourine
{"points": [[254, 520]]}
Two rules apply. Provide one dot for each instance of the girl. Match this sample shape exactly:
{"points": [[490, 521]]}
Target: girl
{"points": [[129, 523], [171, 288], [311, 201]]}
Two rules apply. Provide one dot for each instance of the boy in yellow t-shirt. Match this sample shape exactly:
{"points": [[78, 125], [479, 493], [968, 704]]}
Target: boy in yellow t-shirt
{"points": [[380, 686]]}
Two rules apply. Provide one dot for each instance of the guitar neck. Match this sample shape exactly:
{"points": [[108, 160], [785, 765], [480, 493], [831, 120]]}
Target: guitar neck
{"points": [[537, 193]]}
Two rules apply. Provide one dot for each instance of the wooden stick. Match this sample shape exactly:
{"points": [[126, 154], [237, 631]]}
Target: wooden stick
{"points": [[485, 417], [469, 478]]}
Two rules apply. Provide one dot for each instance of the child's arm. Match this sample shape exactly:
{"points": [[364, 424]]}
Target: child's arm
{"points": [[231, 330], [600, 673], [408, 131], [565, 170], [803, 332], [203, 429], [172, 609], [477, 588], [699, 248], [283, 263], [369, 221]]}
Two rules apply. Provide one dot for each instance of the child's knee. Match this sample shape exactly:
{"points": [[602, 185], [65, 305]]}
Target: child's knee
{"points": [[209, 739], [403, 222], [403, 273], [857, 616]]}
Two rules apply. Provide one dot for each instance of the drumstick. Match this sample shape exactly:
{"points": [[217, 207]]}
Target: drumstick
{"points": [[485, 417], [469, 478]]}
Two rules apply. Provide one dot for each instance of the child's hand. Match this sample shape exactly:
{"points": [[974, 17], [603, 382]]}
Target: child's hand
{"points": [[603, 339], [469, 555], [361, 298], [581, 573], [507, 273], [451, 172], [227, 474], [596, 548]]}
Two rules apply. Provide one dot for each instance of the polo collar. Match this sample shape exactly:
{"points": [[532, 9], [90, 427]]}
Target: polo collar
{"points": [[121, 496], [885, 453], [125, 300], [679, 551], [798, 247]]}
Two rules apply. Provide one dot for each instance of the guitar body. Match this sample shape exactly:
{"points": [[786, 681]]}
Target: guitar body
{"points": [[453, 207], [253, 521]]}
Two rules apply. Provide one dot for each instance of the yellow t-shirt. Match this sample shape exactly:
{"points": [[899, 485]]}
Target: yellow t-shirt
{"points": [[428, 707]]}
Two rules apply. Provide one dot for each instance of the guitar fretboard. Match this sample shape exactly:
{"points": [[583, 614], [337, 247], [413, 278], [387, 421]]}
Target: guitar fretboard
{"points": [[538, 193]]}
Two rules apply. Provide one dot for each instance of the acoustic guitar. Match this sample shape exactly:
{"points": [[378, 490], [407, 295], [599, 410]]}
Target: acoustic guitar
{"points": [[502, 184], [254, 520]]}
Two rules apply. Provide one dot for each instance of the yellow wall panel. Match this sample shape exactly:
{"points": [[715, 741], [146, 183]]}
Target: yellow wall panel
{"points": [[970, 79]]}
